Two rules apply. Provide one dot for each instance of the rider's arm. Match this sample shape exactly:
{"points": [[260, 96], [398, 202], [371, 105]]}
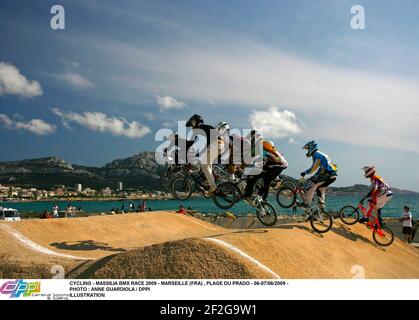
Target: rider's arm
{"points": [[372, 190], [314, 167]]}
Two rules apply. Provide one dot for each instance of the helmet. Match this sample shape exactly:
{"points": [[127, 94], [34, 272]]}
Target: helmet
{"points": [[194, 121], [311, 147], [223, 127], [369, 171], [269, 146]]}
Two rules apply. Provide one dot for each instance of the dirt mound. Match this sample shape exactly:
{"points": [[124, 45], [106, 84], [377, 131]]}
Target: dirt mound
{"points": [[181, 259]]}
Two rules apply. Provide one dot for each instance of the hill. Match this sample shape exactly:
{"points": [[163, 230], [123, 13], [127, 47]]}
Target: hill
{"points": [[138, 171]]}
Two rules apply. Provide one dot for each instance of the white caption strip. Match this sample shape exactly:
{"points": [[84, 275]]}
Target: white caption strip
{"points": [[36, 247], [244, 255]]}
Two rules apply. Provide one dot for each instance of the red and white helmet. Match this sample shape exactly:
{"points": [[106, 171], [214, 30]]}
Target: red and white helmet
{"points": [[369, 171]]}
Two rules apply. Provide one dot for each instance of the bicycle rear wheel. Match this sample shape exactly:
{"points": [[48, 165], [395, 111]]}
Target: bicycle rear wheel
{"points": [[226, 195], [182, 188], [286, 197], [349, 215], [266, 214], [384, 237], [321, 222], [166, 177]]}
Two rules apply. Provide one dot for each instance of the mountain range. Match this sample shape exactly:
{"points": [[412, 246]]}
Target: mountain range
{"points": [[139, 171]]}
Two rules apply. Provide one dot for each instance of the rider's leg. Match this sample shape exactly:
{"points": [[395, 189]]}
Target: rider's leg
{"points": [[310, 192], [321, 192], [250, 184], [268, 176], [381, 202], [210, 155]]}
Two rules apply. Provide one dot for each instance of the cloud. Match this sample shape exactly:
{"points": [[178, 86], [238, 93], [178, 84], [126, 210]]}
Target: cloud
{"points": [[168, 102], [13, 82], [275, 123], [74, 79], [100, 122], [168, 124], [292, 141], [36, 126], [149, 116]]}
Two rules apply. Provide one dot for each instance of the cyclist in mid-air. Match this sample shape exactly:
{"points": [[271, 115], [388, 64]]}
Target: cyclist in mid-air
{"points": [[324, 173], [274, 163], [211, 151], [379, 194]]}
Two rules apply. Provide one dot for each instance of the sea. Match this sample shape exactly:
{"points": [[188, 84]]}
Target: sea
{"points": [[393, 209]]}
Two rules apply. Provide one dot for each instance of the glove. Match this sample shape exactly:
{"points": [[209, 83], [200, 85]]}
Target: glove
{"points": [[303, 174]]}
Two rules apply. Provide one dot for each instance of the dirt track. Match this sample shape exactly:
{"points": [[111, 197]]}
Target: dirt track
{"points": [[113, 242]]}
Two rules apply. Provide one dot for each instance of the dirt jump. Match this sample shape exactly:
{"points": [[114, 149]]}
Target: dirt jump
{"points": [[166, 245]]}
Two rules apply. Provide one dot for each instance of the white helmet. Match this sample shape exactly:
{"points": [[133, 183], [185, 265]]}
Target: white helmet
{"points": [[369, 171], [223, 128]]}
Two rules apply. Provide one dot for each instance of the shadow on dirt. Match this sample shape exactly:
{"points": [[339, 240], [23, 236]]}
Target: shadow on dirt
{"points": [[87, 269], [238, 232], [85, 245], [300, 227], [345, 231]]}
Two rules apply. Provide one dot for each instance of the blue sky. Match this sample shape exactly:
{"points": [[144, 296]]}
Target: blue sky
{"points": [[121, 70]]}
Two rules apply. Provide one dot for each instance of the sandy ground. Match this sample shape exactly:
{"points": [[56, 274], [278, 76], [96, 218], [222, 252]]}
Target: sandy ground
{"points": [[167, 245]]}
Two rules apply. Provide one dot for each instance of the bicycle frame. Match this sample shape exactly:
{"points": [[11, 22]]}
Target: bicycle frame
{"points": [[368, 213], [196, 178]]}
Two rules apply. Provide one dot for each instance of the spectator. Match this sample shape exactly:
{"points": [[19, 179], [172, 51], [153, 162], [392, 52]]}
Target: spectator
{"points": [[55, 211], [44, 215], [68, 211], [407, 224], [143, 207], [181, 210]]}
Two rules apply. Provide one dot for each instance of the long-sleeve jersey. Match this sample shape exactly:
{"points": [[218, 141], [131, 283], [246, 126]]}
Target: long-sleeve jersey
{"points": [[274, 159], [321, 164], [379, 187]]}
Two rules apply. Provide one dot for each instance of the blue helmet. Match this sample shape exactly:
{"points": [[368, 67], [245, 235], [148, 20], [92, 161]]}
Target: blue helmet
{"points": [[311, 147]]}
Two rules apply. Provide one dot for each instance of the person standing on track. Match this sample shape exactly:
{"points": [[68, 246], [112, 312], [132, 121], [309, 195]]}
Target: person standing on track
{"points": [[407, 219]]}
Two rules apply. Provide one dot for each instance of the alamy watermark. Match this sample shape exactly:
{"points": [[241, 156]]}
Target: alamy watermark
{"points": [[57, 21], [358, 18]]}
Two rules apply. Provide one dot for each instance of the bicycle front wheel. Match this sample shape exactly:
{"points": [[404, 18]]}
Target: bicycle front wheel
{"points": [[384, 236], [321, 222], [349, 215], [182, 188], [226, 196], [286, 197], [266, 214]]}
